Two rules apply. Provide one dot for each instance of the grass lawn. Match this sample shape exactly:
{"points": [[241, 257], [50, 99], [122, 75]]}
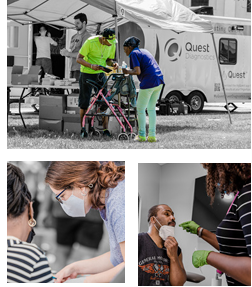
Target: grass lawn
{"points": [[208, 130]]}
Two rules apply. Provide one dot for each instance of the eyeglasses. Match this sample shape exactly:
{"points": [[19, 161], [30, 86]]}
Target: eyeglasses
{"points": [[58, 196]]}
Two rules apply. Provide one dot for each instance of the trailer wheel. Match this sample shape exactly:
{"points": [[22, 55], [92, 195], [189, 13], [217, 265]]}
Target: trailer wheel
{"points": [[174, 96], [196, 102]]}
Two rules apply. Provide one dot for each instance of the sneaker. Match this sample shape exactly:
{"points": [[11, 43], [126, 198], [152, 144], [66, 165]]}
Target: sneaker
{"points": [[140, 139], [106, 133], [152, 139]]}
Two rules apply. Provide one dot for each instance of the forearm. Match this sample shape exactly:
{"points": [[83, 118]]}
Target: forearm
{"points": [[177, 273], [105, 277], [132, 72], [72, 54], [94, 265], [238, 268], [83, 62], [210, 238]]}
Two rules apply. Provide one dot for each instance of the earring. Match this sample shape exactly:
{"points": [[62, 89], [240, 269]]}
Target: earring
{"points": [[90, 185], [32, 222]]}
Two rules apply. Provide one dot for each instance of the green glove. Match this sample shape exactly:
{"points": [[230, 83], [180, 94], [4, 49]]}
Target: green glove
{"points": [[199, 258], [190, 226]]}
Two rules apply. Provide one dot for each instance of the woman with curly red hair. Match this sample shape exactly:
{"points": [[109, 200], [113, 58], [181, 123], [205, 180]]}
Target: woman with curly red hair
{"points": [[233, 235], [80, 186]]}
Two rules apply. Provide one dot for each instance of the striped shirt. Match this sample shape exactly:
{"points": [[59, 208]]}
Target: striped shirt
{"points": [[26, 263], [234, 232]]}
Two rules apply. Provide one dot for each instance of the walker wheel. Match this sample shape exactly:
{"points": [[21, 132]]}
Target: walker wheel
{"points": [[95, 133], [123, 137], [84, 133], [131, 136]]}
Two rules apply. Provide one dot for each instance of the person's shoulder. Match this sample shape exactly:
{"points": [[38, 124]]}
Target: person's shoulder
{"points": [[93, 39], [244, 197], [34, 248], [119, 190], [142, 235], [141, 238], [87, 35], [245, 191], [246, 187]]}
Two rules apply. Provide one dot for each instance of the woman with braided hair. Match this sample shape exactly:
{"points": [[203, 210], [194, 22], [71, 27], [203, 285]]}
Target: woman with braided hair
{"points": [[26, 262], [80, 186], [233, 235]]}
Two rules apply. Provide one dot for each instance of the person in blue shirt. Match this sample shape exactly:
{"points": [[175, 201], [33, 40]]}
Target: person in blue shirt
{"points": [[143, 64], [80, 186]]}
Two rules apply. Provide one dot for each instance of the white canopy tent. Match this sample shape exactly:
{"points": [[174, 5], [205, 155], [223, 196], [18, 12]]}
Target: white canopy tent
{"points": [[164, 14], [61, 12]]}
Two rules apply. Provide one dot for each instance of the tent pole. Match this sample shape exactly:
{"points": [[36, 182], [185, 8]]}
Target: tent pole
{"points": [[116, 34], [222, 82]]}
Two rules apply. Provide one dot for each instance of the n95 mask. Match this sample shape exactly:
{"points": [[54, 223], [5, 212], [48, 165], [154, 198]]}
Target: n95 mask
{"points": [[165, 231], [74, 206]]}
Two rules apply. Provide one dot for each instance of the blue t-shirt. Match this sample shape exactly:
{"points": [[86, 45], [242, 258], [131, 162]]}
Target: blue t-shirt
{"points": [[114, 218], [151, 75]]}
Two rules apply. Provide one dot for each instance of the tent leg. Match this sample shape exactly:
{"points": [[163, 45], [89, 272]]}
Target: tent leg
{"points": [[116, 34], [222, 82]]}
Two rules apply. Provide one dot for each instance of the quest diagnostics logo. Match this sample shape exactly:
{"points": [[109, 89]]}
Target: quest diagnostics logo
{"points": [[173, 49]]}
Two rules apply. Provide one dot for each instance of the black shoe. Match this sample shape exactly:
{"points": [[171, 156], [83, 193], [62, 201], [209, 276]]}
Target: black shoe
{"points": [[106, 133], [84, 133]]}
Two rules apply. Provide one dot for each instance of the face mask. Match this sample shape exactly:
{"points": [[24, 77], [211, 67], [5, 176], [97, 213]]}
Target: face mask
{"points": [[165, 230], [74, 206], [30, 236], [43, 33]]}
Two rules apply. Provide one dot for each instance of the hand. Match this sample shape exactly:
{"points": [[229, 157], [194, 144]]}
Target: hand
{"points": [[115, 66], [199, 258], [125, 71], [64, 52], [48, 34], [96, 67], [190, 226], [171, 246], [66, 273]]}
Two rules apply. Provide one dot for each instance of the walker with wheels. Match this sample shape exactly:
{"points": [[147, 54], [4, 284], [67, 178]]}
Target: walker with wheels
{"points": [[99, 100]]}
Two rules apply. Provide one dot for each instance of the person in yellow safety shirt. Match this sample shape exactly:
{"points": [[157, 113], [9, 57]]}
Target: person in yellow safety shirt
{"points": [[96, 51]]}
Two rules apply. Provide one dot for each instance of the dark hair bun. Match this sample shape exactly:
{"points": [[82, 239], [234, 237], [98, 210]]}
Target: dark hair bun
{"points": [[18, 195]]}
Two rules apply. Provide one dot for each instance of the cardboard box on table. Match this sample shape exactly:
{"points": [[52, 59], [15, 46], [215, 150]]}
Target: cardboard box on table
{"points": [[51, 109], [18, 78]]}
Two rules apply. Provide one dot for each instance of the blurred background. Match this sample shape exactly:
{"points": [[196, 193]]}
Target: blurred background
{"points": [[64, 239]]}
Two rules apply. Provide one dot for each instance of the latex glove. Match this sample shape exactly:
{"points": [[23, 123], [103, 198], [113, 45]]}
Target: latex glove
{"points": [[199, 258], [190, 226]]}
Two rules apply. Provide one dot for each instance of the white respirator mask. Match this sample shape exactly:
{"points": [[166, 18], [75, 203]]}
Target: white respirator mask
{"points": [[74, 206], [165, 231]]}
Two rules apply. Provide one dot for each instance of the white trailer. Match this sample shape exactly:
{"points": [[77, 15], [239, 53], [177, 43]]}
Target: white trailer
{"points": [[189, 64]]}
